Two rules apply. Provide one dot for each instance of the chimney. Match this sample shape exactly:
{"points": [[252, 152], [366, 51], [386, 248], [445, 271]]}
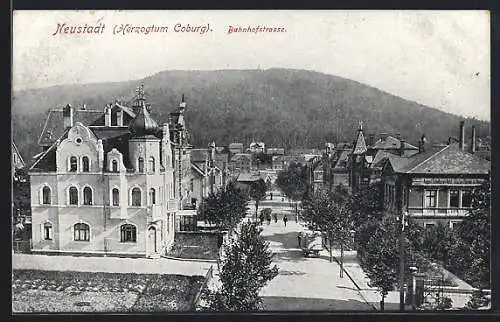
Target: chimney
{"points": [[473, 140], [119, 117], [371, 139], [84, 107], [68, 112], [402, 147], [421, 144], [107, 115], [462, 135]]}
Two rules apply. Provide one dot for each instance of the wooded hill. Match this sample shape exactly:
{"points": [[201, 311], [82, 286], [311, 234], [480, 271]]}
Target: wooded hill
{"points": [[281, 107]]}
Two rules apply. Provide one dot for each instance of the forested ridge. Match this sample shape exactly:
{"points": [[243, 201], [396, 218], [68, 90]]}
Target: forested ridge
{"points": [[282, 107]]}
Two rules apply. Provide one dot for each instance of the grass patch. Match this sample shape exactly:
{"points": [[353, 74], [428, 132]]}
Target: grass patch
{"points": [[55, 291]]}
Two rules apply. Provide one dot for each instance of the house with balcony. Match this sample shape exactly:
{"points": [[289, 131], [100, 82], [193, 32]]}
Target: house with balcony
{"points": [[107, 186], [434, 186]]}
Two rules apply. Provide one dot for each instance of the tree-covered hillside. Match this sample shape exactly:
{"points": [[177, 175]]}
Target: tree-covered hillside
{"points": [[282, 107]]}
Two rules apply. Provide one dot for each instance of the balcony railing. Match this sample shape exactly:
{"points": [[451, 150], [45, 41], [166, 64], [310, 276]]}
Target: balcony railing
{"points": [[155, 212], [438, 212]]}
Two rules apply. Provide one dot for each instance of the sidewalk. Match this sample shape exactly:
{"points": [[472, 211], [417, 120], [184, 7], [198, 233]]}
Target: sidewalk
{"points": [[353, 270], [110, 264]]}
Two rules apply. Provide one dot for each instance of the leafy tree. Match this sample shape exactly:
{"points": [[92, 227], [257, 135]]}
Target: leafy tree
{"points": [[330, 212], [226, 207], [258, 192], [477, 300], [246, 268], [293, 182], [366, 210], [381, 255], [470, 255], [437, 243]]}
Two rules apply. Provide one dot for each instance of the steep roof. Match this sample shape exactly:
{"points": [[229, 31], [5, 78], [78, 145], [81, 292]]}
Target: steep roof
{"points": [[239, 156], [54, 124], [16, 151], [360, 145], [343, 159], [441, 160], [379, 157], [112, 137], [199, 155], [391, 142]]}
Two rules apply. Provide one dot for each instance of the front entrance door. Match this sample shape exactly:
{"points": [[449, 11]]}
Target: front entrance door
{"points": [[152, 240]]}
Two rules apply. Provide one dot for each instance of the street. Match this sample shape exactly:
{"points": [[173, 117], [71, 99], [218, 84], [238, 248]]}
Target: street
{"points": [[304, 283]]}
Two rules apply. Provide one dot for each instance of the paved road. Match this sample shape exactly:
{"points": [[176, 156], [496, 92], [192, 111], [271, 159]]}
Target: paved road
{"points": [[305, 283]]}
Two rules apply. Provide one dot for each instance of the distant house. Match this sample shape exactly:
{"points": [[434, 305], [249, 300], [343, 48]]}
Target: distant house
{"points": [[246, 179], [275, 151], [278, 162], [235, 148], [256, 147], [241, 162]]}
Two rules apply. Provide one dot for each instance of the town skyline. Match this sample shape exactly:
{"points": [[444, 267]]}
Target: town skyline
{"points": [[449, 59]]}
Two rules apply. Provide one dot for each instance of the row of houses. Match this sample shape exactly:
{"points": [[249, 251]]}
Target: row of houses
{"points": [[430, 183], [114, 181]]}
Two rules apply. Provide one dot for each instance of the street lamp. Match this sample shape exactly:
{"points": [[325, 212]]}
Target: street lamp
{"points": [[413, 270]]}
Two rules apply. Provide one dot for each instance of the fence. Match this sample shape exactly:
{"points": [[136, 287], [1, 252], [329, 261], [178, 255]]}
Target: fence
{"points": [[21, 246], [206, 281]]}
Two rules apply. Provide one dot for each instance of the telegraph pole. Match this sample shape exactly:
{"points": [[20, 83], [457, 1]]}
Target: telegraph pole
{"points": [[402, 263]]}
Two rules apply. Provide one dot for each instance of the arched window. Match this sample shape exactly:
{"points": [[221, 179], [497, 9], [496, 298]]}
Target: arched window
{"points": [[47, 231], [85, 164], [73, 196], [46, 199], [116, 197], [152, 196], [136, 197], [152, 164], [140, 163], [87, 196], [73, 164], [114, 166], [82, 232], [128, 233]]}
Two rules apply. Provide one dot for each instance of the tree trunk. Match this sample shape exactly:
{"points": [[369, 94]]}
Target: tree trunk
{"points": [[330, 242], [382, 303], [256, 208], [341, 260]]}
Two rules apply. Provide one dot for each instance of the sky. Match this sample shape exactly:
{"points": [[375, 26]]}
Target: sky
{"points": [[437, 58]]}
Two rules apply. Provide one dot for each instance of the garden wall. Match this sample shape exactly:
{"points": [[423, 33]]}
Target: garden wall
{"points": [[196, 245]]}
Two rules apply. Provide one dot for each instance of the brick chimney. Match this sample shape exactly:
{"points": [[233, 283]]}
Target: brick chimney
{"points": [[473, 140], [107, 115], [371, 139], [421, 144], [462, 135], [119, 117], [68, 112], [402, 147]]}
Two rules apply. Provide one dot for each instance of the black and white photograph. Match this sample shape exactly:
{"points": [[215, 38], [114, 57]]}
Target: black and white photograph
{"points": [[250, 161]]}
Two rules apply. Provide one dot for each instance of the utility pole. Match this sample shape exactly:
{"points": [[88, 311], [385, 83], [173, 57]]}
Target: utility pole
{"points": [[402, 263]]}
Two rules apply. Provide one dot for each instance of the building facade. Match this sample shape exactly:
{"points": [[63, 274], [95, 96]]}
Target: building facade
{"points": [[434, 186], [106, 187]]}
